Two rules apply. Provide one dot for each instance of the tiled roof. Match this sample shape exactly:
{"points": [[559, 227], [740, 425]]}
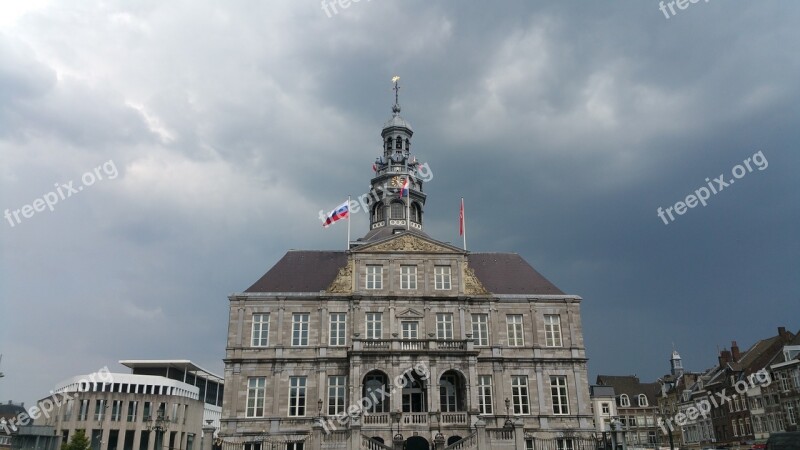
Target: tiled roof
{"points": [[301, 271], [630, 385], [314, 271]]}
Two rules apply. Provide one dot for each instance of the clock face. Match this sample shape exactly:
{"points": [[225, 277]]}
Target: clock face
{"points": [[396, 182]]}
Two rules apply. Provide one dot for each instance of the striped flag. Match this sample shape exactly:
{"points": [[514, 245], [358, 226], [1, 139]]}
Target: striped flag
{"points": [[341, 212]]}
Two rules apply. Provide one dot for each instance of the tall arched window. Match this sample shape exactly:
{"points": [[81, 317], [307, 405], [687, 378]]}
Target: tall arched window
{"points": [[388, 143], [398, 210], [642, 400], [375, 389], [415, 213], [624, 400], [408, 145], [377, 212], [398, 144]]}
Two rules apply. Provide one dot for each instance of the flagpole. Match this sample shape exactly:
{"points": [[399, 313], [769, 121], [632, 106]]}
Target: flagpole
{"points": [[348, 223], [464, 223]]}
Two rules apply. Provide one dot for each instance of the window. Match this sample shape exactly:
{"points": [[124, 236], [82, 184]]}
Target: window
{"points": [[735, 427], [565, 444], [480, 329], [398, 210], [300, 329], [68, 410], [796, 379], [558, 392], [410, 330], [632, 421], [99, 410], [336, 395], [260, 335], [747, 428], [642, 400], [132, 407], [398, 143], [441, 275], [552, 330], [378, 212], [624, 400], [174, 416], [448, 391], [408, 277], [297, 396], [374, 325], [791, 413], [147, 411], [116, 410], [444, 326], [519, 394], [784, 377], [651, 437], [295, 446], [388, 143], [737, 405], [374, 277], [256, 394], [485, 394], [606, 409], [338, 328], [514, 325]]}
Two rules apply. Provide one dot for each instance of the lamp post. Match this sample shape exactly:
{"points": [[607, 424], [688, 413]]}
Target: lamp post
{"points": [[398, 438], [438, 440], [159, 425], [319, 408]]}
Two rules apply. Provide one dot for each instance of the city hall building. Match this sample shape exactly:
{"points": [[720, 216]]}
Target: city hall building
{"points": [[404, 341]]}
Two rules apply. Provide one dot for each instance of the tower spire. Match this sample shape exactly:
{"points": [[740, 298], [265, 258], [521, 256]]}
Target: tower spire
{"points": [[396, 89]]}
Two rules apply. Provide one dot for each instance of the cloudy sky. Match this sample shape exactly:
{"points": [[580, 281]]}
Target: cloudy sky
{"points": [[213, 133]]}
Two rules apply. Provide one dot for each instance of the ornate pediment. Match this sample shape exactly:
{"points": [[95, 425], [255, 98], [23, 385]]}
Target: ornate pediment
{"points": [[343, 283], [410, 313], [409, 243], [472, 285]]}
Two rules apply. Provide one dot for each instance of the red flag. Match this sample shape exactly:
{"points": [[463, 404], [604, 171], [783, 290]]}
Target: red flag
{"points": [[461, 219]]}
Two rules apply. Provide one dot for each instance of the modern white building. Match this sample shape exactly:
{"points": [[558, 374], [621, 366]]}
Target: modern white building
{"points": [[163, 404]]}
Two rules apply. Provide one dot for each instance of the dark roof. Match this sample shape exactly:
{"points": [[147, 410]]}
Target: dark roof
{"points": [[301, 271], [508, 273], [314, 271], [8, 410], [630, 385]]}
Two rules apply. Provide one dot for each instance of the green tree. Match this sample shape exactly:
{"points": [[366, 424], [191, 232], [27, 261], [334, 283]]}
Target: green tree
{"points": [[78, 441]]}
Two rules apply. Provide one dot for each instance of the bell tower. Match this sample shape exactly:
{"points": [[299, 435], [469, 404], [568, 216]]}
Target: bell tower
{"points": [[390, 208]]}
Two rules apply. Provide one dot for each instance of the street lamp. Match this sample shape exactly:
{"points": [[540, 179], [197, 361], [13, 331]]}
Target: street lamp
{"points": [[319, 408], [439, 438], [398, 438], [159, 425]]}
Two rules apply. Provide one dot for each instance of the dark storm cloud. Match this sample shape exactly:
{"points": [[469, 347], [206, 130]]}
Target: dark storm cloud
{"points": [[564, 125]]}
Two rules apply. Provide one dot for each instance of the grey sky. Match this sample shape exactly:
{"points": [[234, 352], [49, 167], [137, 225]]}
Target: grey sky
{"points": [[565, 125]]}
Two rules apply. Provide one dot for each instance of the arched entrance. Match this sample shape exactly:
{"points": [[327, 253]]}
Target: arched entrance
{"points": [[417, 443], [453, 439]]}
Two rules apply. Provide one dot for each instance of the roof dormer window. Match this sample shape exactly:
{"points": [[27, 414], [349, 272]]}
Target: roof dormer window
{"points": [[642, 400], [624, 400]]}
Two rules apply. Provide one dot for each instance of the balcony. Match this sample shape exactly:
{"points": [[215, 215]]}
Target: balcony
{"points": [[413, 345], [415, 419]]}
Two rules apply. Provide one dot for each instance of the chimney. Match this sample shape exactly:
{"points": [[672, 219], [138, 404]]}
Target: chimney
{"points": [[784, 335], [724, 357], [735, 351]]}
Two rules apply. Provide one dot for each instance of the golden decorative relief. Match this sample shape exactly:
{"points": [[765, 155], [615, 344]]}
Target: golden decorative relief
{"points": [[472, 285], [408, 243], [343, 283]]}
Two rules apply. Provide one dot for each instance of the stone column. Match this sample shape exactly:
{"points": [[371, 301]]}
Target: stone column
{"points": [[316, 435], [480, 431], [208, 437]]}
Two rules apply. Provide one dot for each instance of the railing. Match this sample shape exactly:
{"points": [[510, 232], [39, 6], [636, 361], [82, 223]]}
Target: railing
{"points": [[415, 418], [371, 444], [335, 440], [501, 434], [376, 419], [413, 345], [454, 418], [467, 443]]}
